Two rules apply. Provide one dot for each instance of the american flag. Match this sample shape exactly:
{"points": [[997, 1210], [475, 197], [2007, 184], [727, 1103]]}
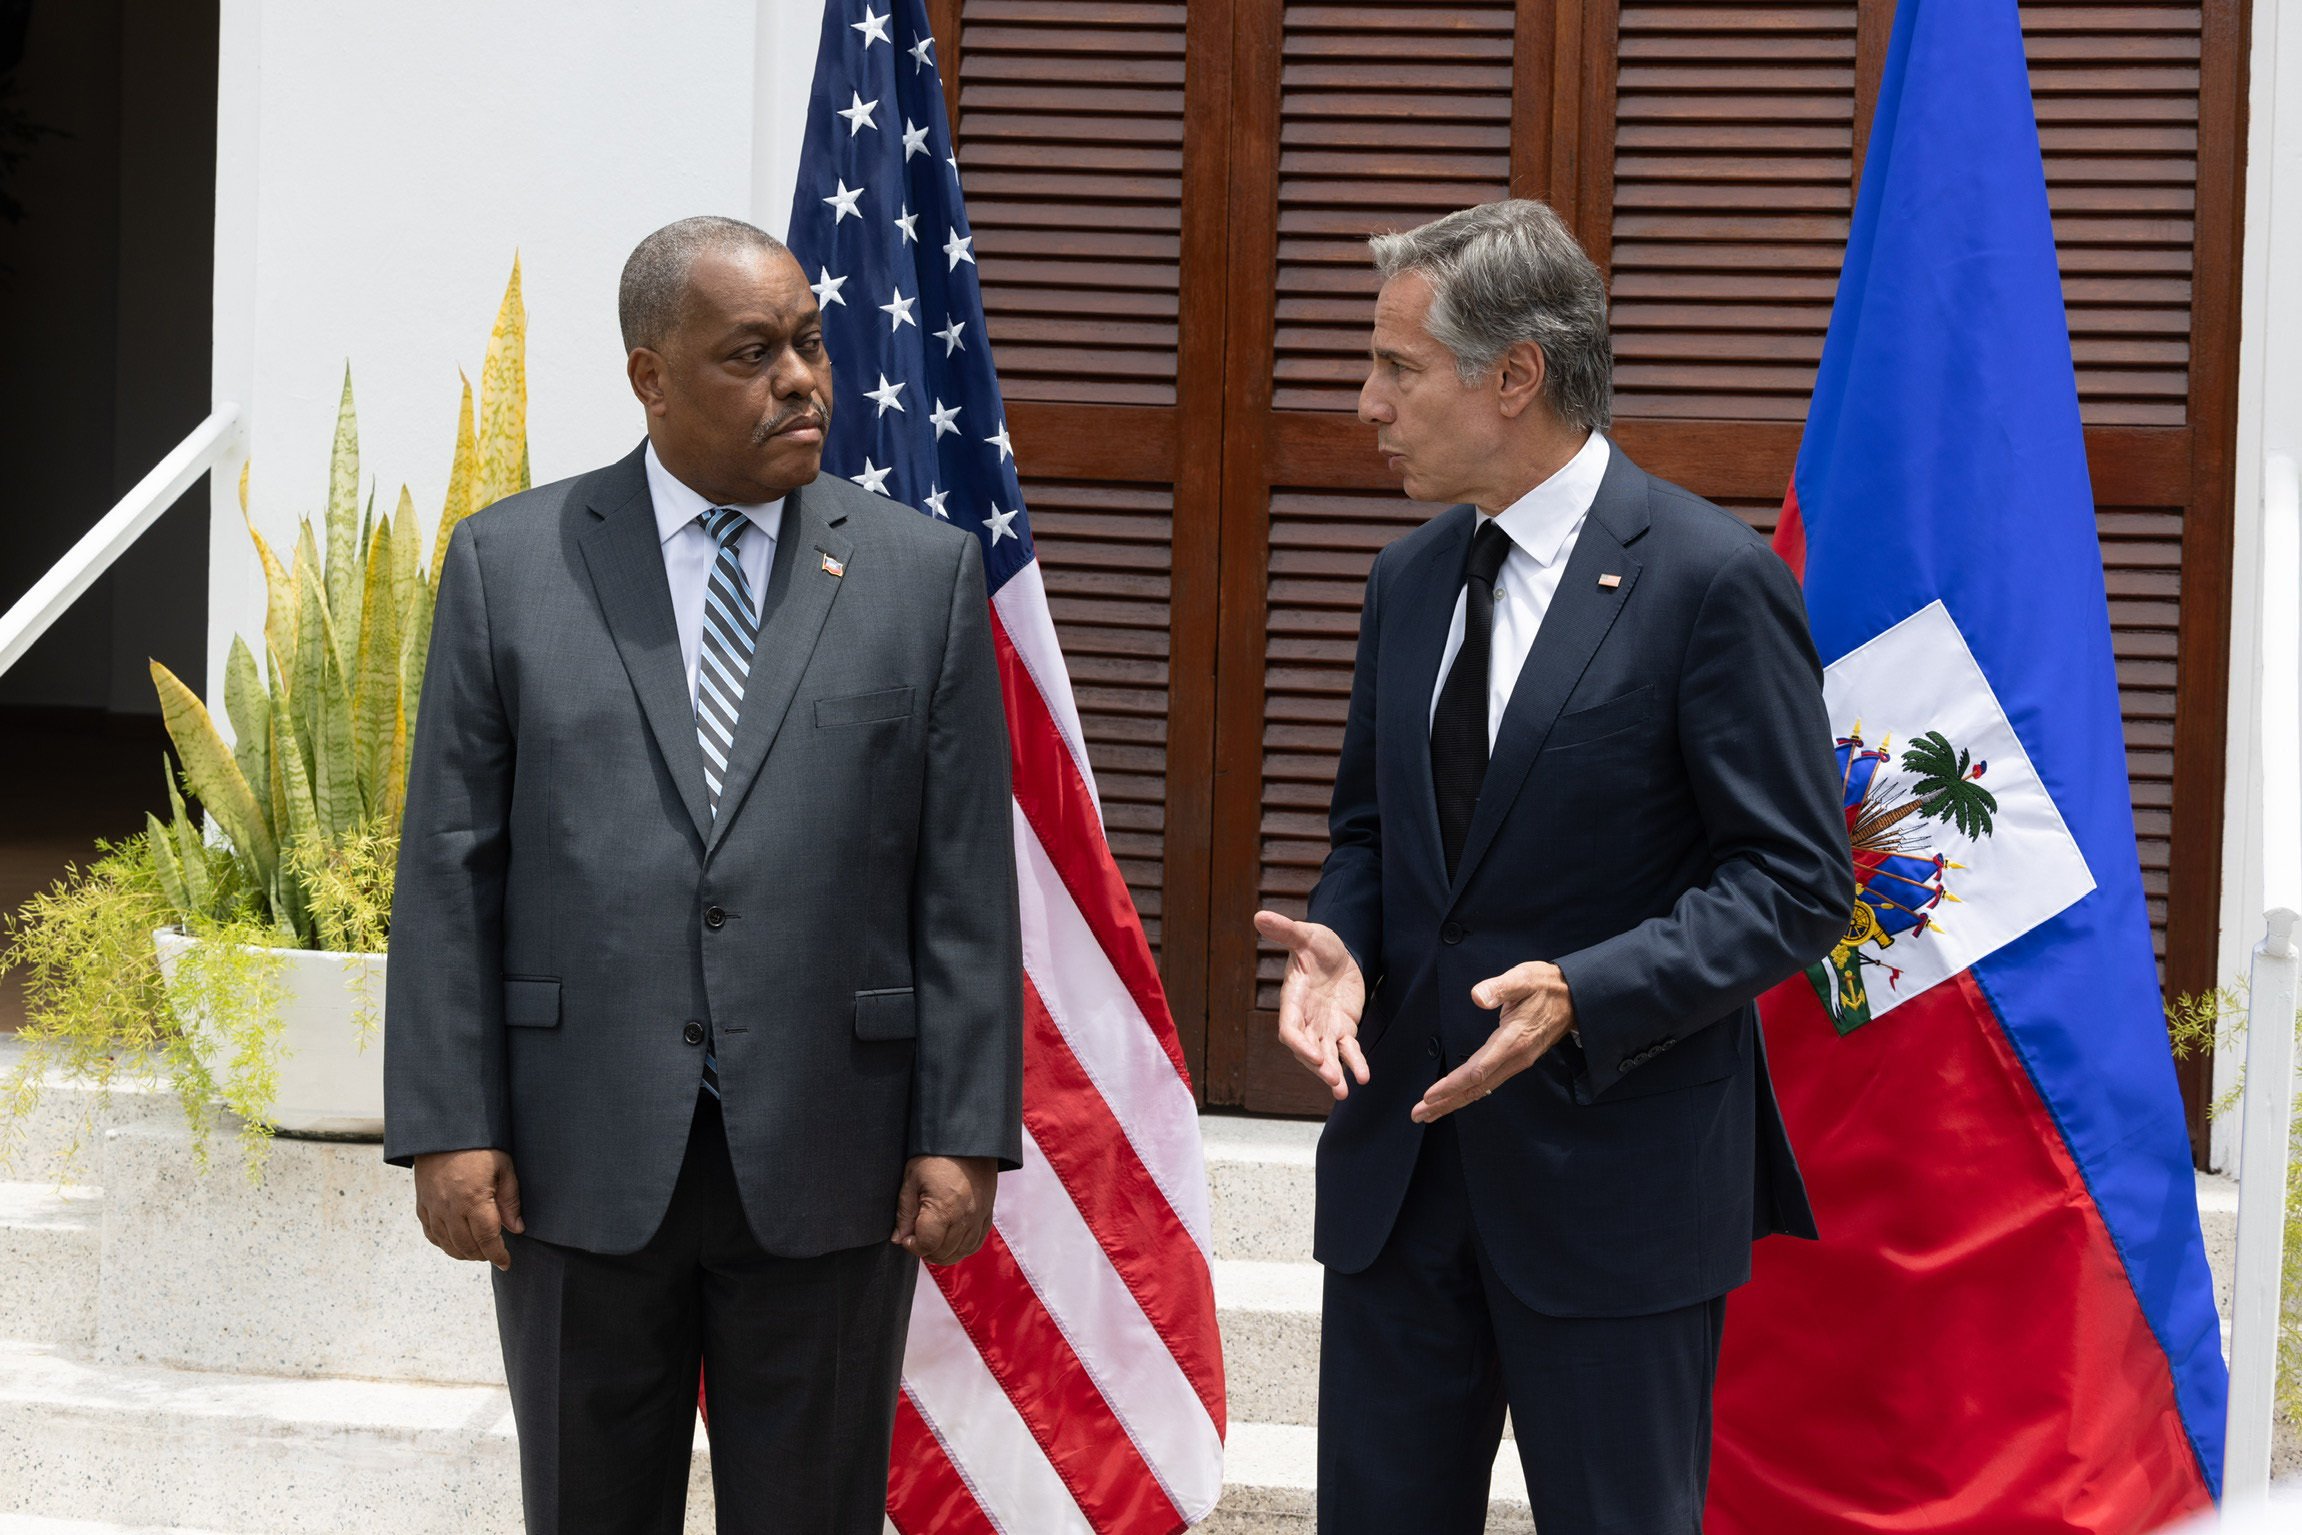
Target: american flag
{"points": [[1068, 1377]]}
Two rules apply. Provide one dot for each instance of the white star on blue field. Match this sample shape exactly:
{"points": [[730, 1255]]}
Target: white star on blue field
{"points": [[879, 220]]}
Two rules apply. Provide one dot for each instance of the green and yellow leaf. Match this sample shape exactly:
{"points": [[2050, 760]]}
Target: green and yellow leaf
{"points": [[376, 683], [249, 708], [191, 852], [279, 585], [166, 864], [335, 759], [209, 767], [463, 482], [504, 401], [292, 790], [343, 573], [407, 557]]}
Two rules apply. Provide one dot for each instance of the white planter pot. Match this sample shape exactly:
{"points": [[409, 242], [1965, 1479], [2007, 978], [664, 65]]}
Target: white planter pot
{"points": [[331, 1039]]}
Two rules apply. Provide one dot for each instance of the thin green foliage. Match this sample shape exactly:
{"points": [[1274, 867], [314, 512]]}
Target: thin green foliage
{"points": [[350, 884], [97, 1002], [2217, 1020]]}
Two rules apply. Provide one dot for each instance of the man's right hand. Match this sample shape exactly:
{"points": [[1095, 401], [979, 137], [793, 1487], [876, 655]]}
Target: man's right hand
{"points": [[466, 1201], [1320, 1000]]}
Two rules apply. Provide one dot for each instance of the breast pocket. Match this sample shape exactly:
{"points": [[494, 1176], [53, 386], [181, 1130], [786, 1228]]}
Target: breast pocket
{"points": [[863, 708], [1605, 750], [1619, 715]]}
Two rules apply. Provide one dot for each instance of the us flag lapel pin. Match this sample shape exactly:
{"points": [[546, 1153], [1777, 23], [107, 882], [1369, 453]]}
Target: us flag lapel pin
{"points": [[831, 566], [1610, 581]]}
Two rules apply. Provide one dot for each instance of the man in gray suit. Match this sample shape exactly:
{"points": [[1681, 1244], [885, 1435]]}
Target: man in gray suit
{"points": [[704, 1023]]}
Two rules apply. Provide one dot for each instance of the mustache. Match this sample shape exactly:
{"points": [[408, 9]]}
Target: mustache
{"points": [[810, 414]]}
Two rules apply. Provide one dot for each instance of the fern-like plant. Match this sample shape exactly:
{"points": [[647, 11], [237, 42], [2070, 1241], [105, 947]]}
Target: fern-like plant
{"points": [[2200, 1024]]}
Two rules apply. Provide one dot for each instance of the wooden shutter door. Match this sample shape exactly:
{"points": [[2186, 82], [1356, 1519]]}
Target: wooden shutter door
{"points": [[1091, 146], [1347, 119], [1708, 156]]}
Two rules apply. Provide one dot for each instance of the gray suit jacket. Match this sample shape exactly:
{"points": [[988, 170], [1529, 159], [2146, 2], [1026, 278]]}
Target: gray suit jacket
{"points": [[567, 904]]}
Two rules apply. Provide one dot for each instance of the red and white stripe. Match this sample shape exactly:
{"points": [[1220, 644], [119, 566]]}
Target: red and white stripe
{"points": [[1068, 1378]]}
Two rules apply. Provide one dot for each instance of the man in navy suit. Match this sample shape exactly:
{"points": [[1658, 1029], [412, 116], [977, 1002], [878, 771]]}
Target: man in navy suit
{"points": [[1586, 812]]}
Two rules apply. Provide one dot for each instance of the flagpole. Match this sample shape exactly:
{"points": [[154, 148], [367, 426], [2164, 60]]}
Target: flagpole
{"points": [[2264, 1138]]}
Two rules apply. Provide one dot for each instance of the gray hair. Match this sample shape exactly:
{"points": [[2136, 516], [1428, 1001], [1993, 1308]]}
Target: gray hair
{"points": [[655, 275], [1507, 272]]}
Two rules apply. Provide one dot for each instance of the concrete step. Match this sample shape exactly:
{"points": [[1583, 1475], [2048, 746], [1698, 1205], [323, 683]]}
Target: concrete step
{"points": [[138, 1445], [1259, 1176], [1270, 1318], [1271, 1475], [50, 1244], [60, 1139], [313, 1267], [29, 1524], [90, 1449], [316, 1267]]}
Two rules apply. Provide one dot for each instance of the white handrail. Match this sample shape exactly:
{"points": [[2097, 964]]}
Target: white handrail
{"points": [[126, 522], [2263, 1139]]}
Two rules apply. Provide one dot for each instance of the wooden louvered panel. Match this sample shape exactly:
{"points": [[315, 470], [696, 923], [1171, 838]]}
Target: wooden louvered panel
{"points": [[1388, 116], [2117, 89], [1105, 552], [1733, 168], [1322, 542], [2142, 568], [1071, 146]]}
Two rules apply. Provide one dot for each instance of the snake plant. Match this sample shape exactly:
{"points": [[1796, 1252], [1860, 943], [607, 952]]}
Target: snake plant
{"points": [[320, 727]]}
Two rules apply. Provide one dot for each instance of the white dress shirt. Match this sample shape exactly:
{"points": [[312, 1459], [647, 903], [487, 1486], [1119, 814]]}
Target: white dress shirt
{"points": [[1543, 525], [689, 553]]}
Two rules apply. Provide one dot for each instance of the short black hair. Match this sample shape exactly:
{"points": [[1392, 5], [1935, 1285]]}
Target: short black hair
{"points": [[655, 275]]}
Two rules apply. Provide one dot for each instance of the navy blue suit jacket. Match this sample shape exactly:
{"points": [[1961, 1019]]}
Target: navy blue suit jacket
{"points": [[1661, 818]]}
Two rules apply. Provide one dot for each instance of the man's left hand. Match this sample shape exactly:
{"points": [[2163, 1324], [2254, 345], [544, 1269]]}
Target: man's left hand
{"points": [[944, 1212], [1537, 1013]]}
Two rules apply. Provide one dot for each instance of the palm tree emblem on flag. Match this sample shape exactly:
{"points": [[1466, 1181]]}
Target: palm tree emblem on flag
{"points": [[1900, 877]]}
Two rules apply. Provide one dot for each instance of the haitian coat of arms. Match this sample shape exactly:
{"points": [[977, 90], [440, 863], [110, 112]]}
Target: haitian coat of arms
{"points": [[1901, 878]]}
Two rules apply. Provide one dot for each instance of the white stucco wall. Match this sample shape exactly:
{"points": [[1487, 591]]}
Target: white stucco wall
{"points": [[377, 167], [2269, 421]]}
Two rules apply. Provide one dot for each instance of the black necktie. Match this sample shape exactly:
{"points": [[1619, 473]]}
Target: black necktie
{"points": [[1459, 725]]}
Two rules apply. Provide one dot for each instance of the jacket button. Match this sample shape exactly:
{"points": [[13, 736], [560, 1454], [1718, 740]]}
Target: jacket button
{"points": [[714, 917], [1431, 1047], [1451, 933], [693, 1033]]}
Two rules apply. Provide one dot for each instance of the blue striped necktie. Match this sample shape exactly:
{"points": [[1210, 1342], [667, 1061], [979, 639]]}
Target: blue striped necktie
{"points": [[723, 663]]}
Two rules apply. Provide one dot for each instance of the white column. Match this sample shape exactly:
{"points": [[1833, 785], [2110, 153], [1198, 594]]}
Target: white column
{"points": [[2269, 421]]}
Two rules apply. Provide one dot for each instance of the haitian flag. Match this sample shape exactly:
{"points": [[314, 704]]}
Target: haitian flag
{"points": [[2008, 1325]]}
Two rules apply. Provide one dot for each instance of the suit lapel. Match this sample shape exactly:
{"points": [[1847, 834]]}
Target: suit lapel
{"points": [[625, 557], [800, 592], [1423, 596], [1581, 613]]}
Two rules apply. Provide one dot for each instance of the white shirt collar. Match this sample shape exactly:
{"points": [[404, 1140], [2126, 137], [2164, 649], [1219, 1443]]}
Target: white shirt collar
{"points": [[1539, 521], [677, 506]]}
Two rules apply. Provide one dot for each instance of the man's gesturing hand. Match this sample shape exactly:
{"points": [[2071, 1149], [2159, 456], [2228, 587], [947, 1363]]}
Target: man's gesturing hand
{"points": [[944, 1212], [1537, 1012], [1320, 1000], [466, 1201]]}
